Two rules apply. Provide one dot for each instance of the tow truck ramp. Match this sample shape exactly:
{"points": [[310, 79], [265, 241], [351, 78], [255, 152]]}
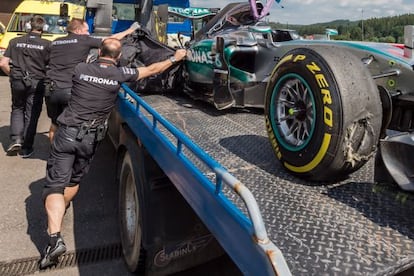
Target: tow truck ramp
{"points": [[352, 227]]}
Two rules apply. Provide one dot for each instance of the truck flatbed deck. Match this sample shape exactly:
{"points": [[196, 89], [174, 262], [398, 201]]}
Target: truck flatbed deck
{"points": [[352, 227]]}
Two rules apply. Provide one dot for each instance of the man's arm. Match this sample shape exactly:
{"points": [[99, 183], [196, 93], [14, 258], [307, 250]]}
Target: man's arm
{"points": [[4, 65], [128, 31], [159, 67]]}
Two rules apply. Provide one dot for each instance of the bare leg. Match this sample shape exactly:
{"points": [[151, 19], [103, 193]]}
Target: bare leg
{"points": [[55, 205], [52, 131], [70, 193], [55, 209]]}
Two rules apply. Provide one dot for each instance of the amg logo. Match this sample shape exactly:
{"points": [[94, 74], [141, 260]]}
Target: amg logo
{"points": [[97, 80]]}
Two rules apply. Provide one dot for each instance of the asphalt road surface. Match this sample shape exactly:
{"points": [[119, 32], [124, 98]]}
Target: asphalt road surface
{"points": [[90, 225], [90, 228]]}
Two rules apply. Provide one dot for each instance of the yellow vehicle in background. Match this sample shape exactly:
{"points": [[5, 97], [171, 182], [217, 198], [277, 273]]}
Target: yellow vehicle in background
{"points": [[2, 30], [56, 13]]}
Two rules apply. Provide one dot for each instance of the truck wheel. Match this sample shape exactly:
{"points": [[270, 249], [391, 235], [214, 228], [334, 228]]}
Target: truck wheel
{"points": [[323, 113], [130, 216]]}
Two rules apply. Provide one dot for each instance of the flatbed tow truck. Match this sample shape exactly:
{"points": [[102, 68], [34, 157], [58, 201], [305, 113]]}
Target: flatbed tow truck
{"points": [[195, 183], [354, 227]]}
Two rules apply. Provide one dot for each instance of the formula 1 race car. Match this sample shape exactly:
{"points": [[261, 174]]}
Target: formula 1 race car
{"points": [[328, 105]]}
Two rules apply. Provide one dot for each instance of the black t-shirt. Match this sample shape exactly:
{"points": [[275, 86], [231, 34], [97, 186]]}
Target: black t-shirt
{"points": [[94, 92], [67, 52], [28, 53]]}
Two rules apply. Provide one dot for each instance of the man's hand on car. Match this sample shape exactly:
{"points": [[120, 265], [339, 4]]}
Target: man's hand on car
{"points": [[180, 54], [135, 26]]}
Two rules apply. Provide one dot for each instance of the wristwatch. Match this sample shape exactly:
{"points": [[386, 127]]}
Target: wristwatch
{"points": [[173, 60]]}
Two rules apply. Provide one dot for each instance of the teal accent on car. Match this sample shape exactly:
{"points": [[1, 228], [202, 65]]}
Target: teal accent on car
{"points": [[260, 29], [382, 49], [273, 109]]}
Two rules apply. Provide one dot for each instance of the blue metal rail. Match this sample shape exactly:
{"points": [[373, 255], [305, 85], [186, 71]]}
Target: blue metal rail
{"points": [[243, 238]]}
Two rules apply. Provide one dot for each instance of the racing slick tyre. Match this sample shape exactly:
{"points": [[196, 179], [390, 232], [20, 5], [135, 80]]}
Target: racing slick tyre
{"points": [[323, 113], [130, 217]]}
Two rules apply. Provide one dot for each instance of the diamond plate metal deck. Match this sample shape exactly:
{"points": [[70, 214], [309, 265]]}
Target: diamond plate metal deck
{"points": [[353, 227]]}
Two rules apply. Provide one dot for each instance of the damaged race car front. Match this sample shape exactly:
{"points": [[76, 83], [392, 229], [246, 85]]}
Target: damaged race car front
{"points": [[229, 59], [328, 105]]}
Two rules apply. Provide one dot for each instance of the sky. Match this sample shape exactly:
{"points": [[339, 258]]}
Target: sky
{"points": [[304, 12]]}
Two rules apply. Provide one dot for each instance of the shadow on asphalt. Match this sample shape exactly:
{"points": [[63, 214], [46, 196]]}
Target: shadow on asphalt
{"points": [[4, 137], [95, 207], [91, 221], [36, 215], [41, 143]]}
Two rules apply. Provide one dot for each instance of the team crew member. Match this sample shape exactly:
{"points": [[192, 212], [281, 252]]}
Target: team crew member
{"points": [[28, 56], [82, 125], [66, 52]]}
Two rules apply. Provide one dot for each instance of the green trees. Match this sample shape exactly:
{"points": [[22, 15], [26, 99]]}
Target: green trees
{"points": [[384, 29]]}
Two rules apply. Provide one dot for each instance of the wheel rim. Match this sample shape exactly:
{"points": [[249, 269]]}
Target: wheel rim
{"points": [[131, 231], [292, 112], [131, 208]]}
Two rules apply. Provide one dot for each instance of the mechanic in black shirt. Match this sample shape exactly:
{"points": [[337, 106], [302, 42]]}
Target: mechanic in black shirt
{"points": [[25, 62], [66, 52], [82, 125]]}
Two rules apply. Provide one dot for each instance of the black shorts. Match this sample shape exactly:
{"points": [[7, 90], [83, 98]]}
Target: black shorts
{"points": [[56, 102], [69, 159]]}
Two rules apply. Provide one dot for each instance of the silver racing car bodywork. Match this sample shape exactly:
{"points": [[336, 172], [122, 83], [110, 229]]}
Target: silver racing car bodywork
{"points": [[251, 53], [328, 105]]}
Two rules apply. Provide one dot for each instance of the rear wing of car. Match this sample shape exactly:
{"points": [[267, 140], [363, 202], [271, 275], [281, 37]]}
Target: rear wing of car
{"points": [[191, 19], [193, 13]]}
